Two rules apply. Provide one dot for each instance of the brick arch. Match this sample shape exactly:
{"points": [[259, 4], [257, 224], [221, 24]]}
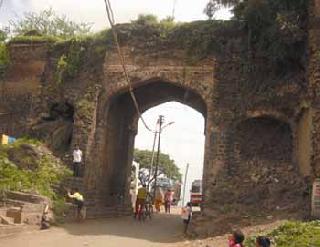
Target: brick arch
{"points": [[110, 160]]}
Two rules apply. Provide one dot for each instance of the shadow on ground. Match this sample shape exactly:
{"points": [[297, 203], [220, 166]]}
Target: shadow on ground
{"points": [[161, 228]]}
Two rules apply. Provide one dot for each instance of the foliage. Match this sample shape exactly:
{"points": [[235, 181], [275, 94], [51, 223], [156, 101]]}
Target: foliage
{"points": [[49, 23], [3, 36], [146, 20], [32, 38], [85, 108], [275, 28], [211, 8], [167, 166], [69, 64], [48, 173], [295, 234], [201, 39], [4, 59]]}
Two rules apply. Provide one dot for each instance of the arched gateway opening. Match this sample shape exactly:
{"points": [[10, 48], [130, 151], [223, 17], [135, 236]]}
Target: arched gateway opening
{"points": [[116, 132]]}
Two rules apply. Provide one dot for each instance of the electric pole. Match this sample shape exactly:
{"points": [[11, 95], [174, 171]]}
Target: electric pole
{"points": [[184, 184], [152, 156], [158, 155]]}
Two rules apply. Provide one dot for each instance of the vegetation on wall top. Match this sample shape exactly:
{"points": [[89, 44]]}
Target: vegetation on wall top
{"points": [[49, 24]]}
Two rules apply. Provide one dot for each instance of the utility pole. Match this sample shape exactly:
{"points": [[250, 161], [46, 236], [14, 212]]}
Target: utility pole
{"points": [[184, 184], [152, 156], [158, 155]]}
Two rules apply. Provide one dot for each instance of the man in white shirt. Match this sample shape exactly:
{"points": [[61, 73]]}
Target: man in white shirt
{"points": [[77, 159]]}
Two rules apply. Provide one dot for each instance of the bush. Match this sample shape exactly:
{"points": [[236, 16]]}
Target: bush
{"points": [[49, 172], [293, 234]]}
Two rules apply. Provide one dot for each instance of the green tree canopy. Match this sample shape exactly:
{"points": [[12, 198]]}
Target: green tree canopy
{"points": [[167, 166], [49, 23], [276, 28]]}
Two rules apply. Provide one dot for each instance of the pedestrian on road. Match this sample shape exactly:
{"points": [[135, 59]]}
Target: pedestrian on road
{"points": [[159, 199], [141, 200], [45, 219], [263, 242], [168, 198], [77, 160], [236, 239], [79, 201], [186, 215]]}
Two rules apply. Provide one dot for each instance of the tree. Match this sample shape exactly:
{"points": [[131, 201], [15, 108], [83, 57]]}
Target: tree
{"points": [[3, 36], [146, 19], [48, 22], [167, 166], [211, 8]]}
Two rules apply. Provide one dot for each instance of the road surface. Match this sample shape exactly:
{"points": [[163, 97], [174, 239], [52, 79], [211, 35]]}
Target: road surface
{"points": [[163, 230]]}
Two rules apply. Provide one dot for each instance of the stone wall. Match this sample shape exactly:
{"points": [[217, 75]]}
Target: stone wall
{"points": [[21, 88]]}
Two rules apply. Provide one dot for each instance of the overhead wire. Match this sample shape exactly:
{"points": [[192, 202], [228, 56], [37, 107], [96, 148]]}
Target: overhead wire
{"points": [[174, 8], [111, 19]]}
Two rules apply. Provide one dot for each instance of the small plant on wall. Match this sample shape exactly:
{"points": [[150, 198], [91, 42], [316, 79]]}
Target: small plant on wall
{"points": [[69, 64], [4, 60]]}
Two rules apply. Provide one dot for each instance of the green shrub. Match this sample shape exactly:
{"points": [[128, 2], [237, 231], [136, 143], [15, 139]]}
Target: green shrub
{"points": [[69, 64], [293, 234], [49, 172], [4, 59]]}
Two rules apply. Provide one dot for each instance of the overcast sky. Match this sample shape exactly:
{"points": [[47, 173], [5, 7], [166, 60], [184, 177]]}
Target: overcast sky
{"points": [[94, 10], [183, 141]]}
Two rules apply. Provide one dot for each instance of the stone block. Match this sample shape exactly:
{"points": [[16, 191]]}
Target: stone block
{"points": [[15, 213], [6, 220]]}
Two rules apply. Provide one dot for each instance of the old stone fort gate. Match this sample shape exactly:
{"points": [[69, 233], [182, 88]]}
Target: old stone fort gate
{"points": [[262, 139]]}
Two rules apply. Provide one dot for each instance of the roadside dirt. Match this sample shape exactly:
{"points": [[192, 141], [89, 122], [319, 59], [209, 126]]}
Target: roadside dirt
{"points": [[163, 230]]}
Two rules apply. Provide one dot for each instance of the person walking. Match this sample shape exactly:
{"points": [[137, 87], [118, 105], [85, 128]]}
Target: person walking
{"points": [[186, 215], [158, 199], [168, 197], [77, 160]]}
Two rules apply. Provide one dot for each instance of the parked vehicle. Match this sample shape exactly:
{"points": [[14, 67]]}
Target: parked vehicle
{"points": [[196, 193]]}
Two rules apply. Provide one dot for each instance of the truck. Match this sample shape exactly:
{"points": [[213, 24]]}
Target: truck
{"points": [[196, 192]]}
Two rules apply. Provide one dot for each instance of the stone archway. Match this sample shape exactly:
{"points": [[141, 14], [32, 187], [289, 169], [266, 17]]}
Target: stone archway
{"points": [[108, 169]]}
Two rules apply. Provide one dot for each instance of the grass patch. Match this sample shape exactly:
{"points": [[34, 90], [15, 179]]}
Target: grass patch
{"points": [[31, 39], [293, 234]]}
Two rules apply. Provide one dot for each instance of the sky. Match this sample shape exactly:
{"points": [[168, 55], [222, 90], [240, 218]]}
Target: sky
{"points": [[93, 11], [183, 140]]}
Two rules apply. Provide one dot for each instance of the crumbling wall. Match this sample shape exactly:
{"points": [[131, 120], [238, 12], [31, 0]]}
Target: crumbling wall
{"points": [[20, 89]]}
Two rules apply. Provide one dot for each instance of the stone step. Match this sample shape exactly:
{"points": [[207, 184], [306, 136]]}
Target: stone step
{"points": [[6, 220], [26, 198], [26, 207]]}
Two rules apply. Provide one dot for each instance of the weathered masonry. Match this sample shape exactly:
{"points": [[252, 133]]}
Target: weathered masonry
{"points": [[262, 143]]}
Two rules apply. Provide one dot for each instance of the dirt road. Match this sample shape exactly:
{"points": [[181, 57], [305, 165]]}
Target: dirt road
{"points": [[162, 230]]}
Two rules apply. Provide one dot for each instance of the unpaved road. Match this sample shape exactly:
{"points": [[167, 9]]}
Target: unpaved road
{"points": [[162, 230]]}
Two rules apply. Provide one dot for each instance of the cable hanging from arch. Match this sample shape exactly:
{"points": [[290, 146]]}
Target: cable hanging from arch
{"points": [[111, 20]]}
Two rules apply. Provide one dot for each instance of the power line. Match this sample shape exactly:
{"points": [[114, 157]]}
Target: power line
{"points": [[174, 8], [111, 20], [1, 3]]}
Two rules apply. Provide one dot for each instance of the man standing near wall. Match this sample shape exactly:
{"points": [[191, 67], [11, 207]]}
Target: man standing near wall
{"points": [[77, 159]]}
